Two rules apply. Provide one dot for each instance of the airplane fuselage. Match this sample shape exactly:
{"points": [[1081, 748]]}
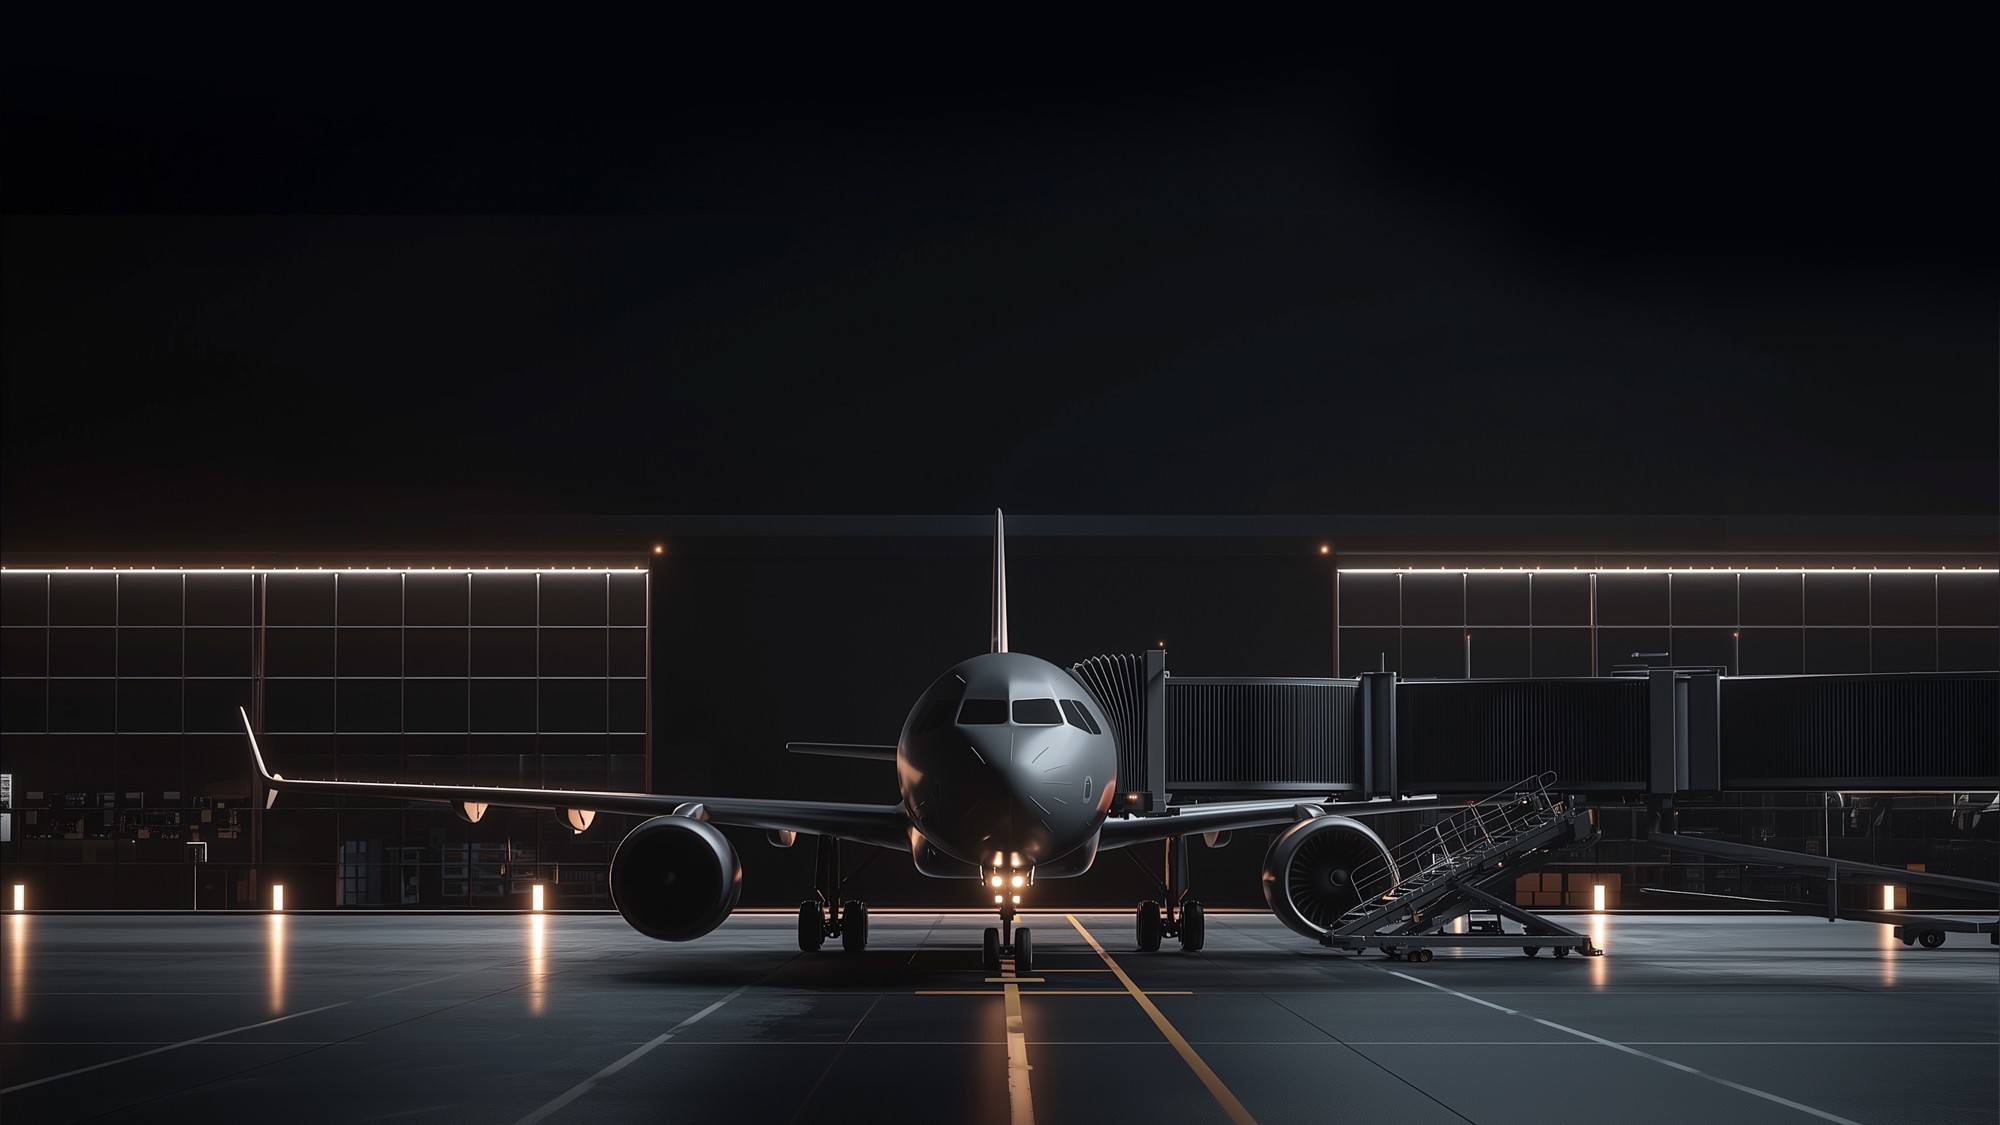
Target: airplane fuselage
{"points": [[1006, 762]]}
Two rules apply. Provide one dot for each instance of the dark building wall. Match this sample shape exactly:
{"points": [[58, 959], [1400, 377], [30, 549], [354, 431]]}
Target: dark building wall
{"points": [[121, 731]]}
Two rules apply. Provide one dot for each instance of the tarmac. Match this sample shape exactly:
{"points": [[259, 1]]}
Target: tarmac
{"points": [[572, 1018]]}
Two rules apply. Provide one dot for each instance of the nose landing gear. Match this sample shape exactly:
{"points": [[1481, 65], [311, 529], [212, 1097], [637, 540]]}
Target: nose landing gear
{"points": [[1004, 941]]}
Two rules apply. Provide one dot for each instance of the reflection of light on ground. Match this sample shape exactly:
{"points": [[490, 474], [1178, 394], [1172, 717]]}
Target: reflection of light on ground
{"points": [[1599, 930], [537, 962], [275, 934], [1885, 945], [17, 968]]}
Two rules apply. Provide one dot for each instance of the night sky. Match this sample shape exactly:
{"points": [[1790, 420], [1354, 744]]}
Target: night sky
{"points": [[315, 297]]}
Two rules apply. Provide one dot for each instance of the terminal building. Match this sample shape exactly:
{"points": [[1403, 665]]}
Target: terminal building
{"points": [[130, 785]]}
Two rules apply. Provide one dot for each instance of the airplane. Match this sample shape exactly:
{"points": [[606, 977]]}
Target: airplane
{"points": [[1008, 771]]}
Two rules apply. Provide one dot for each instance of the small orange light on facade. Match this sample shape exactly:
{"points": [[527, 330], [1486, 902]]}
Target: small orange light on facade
{"points": [[538, 898], [277, 898], [659, 549], [1324, 549]]}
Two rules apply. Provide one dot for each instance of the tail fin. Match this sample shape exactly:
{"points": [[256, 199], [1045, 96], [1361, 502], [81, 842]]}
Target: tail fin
{"points": [[999, 582]]}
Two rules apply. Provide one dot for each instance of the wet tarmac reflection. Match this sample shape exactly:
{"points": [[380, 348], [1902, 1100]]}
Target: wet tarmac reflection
{"points": [[537, 963], [17, 968], [275, 940]]}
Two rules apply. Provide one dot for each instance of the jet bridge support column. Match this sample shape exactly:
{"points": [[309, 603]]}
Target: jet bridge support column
{"points": [[1378, 734]]}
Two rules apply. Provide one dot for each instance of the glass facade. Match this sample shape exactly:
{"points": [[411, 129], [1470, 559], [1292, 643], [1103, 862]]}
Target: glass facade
{"points": [[121, 696], [1465, 624]]}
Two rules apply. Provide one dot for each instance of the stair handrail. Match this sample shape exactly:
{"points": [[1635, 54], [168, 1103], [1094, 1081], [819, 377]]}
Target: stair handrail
{"points": [[1459, 840]]}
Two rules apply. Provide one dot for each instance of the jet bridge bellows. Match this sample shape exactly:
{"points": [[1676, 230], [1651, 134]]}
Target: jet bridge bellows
{"points": [[1658, 732]]}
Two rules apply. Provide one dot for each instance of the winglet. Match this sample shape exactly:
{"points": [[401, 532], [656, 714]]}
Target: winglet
{"points": [[999, 582], [256, 754]]}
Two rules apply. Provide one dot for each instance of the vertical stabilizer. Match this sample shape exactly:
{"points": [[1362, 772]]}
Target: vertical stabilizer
{"points": [[999, 582]]}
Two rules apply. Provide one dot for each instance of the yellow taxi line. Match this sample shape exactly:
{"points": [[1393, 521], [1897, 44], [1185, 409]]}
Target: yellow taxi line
{"points": [[1201, 1069]]}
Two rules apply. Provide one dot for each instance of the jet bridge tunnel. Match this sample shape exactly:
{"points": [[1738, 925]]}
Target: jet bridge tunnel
{"points": [[1653, 734]]}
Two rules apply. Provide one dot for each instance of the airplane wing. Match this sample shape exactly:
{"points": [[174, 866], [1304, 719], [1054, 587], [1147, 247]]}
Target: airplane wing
{"points": [[1227, 816], [884, 826]]}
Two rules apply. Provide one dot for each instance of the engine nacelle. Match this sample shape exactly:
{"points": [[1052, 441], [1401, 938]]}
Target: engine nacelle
{"points": [[675, 878], [1320, 868]]}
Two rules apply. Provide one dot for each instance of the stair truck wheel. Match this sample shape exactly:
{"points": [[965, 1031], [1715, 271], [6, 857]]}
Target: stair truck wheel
{"points": [[1931, 939]]}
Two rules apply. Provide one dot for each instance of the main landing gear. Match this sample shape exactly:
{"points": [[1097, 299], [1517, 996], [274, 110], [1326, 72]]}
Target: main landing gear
{"points": [[825, 915], [1177, 914]]}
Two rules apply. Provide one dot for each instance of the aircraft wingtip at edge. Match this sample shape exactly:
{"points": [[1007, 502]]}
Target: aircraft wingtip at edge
{"points": [[256, 754]]}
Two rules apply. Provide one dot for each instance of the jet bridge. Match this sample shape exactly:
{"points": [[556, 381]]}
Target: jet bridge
{"points": [[1656, 733]]}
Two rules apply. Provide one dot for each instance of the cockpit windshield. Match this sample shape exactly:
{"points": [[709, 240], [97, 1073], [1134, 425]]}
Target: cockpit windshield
{"points": [[1078, 717], [983, 712], [1037, 713]]}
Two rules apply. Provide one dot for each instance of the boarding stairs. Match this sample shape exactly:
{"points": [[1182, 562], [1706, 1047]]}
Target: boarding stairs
{"points": [[1459, 866]]}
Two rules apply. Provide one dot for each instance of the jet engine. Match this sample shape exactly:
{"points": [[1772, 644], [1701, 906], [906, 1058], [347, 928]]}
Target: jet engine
{"points": [[675, 878], [1320, 868]]}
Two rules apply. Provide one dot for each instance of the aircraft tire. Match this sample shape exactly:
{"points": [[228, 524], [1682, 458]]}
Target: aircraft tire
{"points": [[812, 928], [1194, 927], [1149, 926], [853, 926], [991, 950], [1024, 952]]}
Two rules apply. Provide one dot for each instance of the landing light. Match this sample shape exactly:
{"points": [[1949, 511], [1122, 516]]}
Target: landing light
{"points": [[996, 880], [1018, 881], [999, 898], [1017, 900]]}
